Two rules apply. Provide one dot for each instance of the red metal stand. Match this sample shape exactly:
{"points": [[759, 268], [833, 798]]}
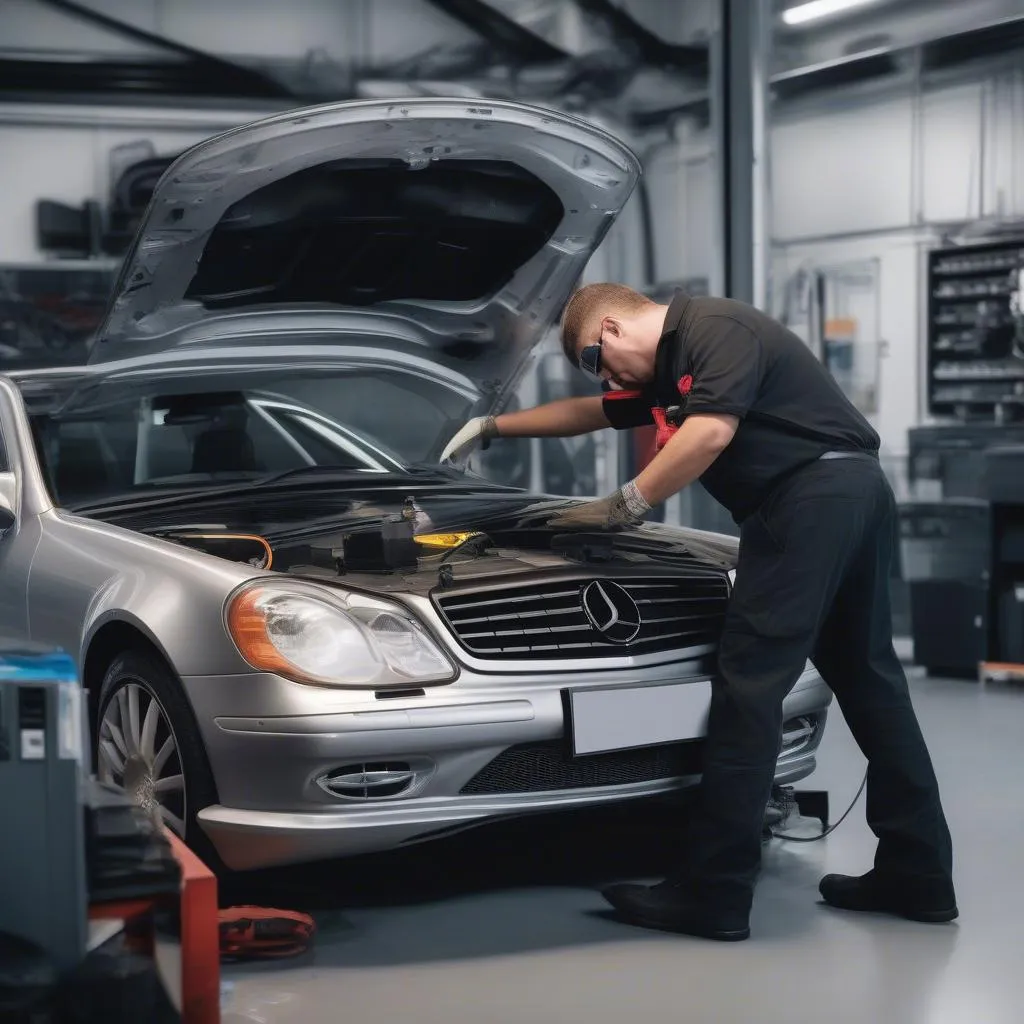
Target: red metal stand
{"points": [[200, 937]]}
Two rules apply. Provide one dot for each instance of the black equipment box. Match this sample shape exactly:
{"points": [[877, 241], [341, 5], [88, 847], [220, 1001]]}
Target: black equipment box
{"points": [[946, 540], [953, 456], [1003, 476], [1011, 622], [946, 556]]}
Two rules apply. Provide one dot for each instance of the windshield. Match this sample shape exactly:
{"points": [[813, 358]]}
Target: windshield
{"points": [[372, 422]]}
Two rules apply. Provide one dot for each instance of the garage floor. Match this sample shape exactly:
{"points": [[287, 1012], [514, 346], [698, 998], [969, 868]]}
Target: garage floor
{"points": [[503, 924]]}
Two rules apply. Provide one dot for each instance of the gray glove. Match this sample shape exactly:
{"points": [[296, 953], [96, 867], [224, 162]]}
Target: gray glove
{"points": [[625, 507], [478, 431]]}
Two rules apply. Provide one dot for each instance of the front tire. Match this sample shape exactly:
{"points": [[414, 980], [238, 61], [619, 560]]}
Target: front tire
{"points": [[148, 745]]}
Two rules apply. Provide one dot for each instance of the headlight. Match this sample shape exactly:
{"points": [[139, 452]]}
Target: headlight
{"points": [[350, 640]]}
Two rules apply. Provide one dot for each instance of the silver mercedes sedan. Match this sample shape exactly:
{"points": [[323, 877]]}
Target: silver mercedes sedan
{"points": [[301, 636]]}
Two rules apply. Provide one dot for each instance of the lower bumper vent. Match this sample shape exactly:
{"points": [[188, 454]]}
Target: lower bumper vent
{"points": [[546, 767], [370, 781]]}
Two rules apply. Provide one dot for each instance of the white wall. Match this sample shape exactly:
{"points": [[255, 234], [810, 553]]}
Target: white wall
{"points": [[877, 178], [842, 171], [954, 153]]}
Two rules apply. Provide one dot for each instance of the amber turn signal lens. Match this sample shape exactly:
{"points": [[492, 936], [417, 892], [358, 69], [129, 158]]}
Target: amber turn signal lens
{"points": [[248, 627]]}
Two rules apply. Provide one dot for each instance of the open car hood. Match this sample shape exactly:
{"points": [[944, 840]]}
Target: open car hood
{"points": [[457, 227]]}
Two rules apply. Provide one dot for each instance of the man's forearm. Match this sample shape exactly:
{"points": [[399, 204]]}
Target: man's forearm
{"points": [[691, 450], [566, 417]]}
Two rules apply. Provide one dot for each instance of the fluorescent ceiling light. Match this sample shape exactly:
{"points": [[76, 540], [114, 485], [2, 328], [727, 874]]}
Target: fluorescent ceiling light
{"points": [[819, 9]]}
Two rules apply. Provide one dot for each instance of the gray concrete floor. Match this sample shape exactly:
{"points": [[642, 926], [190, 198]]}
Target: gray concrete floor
{"points": [[503, 924]]}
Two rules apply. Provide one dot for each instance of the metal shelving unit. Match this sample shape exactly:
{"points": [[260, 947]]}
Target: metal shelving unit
{"points": [[974, 363]]}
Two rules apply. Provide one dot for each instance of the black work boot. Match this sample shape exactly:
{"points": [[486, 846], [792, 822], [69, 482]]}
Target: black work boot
{"points": [[670, 908], [919, 899]]}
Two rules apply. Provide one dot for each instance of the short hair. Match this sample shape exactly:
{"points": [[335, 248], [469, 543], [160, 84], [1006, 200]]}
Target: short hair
{"points": [[589, 305]]}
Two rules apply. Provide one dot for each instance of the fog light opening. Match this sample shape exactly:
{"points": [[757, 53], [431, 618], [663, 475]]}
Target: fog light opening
{"points": [[371, 780], [798, 733]]}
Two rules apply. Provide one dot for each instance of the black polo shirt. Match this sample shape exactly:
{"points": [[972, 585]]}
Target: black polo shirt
{"points": [[742, 363]]}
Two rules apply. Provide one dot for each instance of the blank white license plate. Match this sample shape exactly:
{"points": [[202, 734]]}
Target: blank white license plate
{"points": [[623, 717]]}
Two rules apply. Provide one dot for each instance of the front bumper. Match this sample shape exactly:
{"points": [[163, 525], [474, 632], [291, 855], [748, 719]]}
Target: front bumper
{"points": [[273, 769]]}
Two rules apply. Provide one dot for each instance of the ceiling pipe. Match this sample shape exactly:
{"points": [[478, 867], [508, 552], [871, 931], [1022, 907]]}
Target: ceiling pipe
{"points": [[260, 84]]}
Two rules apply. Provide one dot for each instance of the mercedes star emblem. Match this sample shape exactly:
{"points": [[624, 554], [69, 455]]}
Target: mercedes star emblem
{"points": [[611, 611]]}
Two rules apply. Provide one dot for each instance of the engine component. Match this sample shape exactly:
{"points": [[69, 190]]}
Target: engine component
{"points": [[393, 546]]}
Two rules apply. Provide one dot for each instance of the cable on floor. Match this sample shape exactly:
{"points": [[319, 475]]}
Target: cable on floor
{"points": [[828, 831]]}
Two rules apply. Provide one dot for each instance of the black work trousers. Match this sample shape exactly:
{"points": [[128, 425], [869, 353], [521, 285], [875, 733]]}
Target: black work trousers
{"points": [[812, 581]]}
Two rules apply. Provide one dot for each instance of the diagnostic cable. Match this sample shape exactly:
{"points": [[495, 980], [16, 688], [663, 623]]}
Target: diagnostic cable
{"points": [[831, 828]]}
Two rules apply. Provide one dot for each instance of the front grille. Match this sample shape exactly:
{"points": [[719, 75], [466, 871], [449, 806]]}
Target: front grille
{"points": [[548, 767], [547, 619]]}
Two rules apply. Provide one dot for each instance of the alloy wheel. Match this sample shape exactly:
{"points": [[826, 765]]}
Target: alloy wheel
{"points": [[138, 753]]}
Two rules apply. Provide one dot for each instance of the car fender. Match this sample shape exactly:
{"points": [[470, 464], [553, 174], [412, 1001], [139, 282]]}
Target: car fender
{"points": [[86, 575]]}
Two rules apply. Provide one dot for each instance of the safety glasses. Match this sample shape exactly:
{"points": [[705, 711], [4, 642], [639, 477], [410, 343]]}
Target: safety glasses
{"points": [[590, 360]]}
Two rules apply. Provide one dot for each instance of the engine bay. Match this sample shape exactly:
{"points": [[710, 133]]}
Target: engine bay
{"points": [[387, 559], [401, 552], [412, 538]]}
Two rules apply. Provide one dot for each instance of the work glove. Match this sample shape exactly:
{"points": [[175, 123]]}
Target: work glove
{"points": [[626, 507], [478, 431]]}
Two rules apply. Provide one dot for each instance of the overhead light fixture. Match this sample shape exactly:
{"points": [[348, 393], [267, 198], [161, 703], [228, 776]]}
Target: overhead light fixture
{"points": [[815, 9]]}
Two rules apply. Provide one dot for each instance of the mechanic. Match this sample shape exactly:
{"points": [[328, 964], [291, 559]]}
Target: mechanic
{"points": [[743, 405]]}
